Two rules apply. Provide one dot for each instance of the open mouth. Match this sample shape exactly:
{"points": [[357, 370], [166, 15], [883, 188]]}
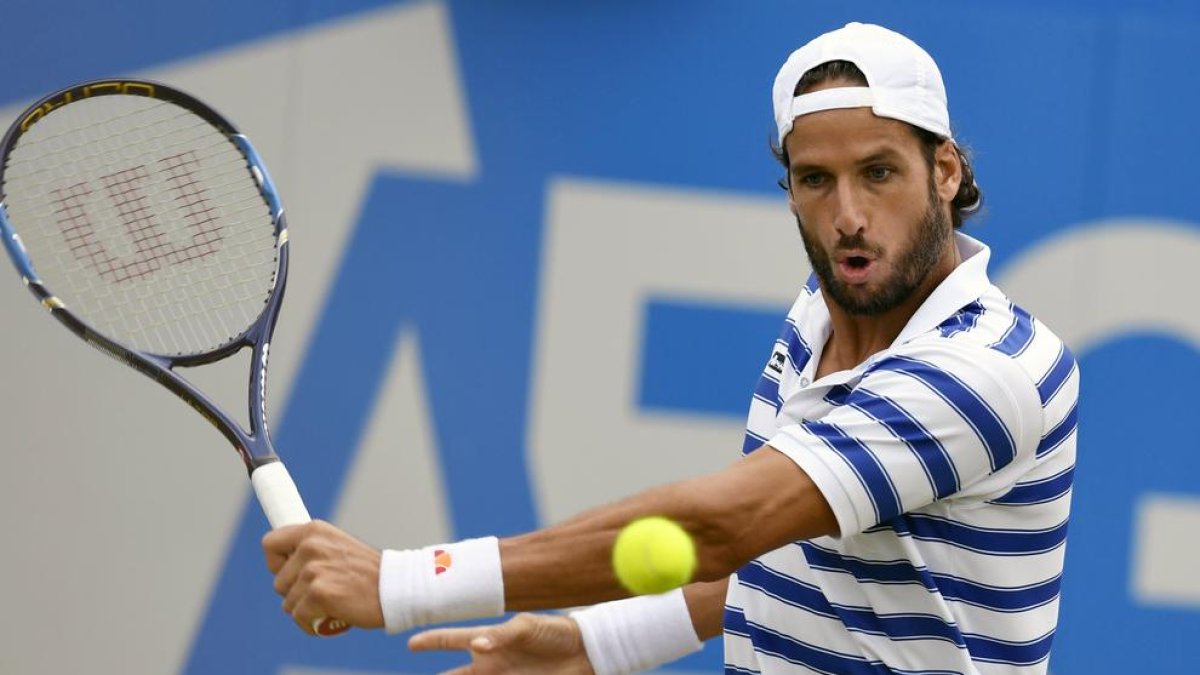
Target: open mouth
{"points": [[855, 268]]}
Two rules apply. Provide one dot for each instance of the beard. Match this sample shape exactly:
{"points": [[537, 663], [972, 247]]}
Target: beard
{"points": [[911, 266]]}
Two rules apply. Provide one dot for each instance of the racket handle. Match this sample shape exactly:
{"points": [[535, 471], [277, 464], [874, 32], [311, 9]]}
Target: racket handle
{"points": [[278, 496], [280, 500]]}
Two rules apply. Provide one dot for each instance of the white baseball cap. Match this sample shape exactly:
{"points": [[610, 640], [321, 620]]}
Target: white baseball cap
{"points": [[903, 81]]}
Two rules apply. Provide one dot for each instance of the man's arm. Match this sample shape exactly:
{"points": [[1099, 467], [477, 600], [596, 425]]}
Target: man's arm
{"points": [[548, 643], [757, 504], [706, 605]]}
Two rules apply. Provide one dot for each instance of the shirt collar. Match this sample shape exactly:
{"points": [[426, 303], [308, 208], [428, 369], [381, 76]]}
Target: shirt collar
{"points": [[964, 285]]}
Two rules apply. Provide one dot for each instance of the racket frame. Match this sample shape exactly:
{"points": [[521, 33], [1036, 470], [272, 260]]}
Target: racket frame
{"points": [[253, 445]]}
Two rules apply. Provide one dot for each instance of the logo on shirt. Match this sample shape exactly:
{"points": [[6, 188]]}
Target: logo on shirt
{"points": [[441, 561], [776, 362]]}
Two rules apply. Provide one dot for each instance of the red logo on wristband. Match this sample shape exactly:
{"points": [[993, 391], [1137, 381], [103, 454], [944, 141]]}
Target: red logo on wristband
{"points": [[441, 561]]}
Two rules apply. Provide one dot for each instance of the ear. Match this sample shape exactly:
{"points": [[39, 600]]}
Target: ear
{"points": [[947, 171]]}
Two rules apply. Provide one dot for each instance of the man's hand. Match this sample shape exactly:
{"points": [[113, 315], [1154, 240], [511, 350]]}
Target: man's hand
{"points": [[322, 572], [528, 643]]}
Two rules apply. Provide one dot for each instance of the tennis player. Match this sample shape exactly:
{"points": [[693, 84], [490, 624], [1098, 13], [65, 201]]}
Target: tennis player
{"points": [[902, 501]]}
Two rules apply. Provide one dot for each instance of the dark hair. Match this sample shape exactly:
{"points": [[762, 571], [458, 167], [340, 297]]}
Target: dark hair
{"points": [[969, 198]]}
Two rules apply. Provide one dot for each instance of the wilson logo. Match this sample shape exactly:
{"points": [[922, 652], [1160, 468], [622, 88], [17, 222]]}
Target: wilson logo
{"points": [[132, 193]]}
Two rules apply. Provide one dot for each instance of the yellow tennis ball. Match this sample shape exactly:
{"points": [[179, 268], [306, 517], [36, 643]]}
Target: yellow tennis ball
{"points": [[653, 555]]}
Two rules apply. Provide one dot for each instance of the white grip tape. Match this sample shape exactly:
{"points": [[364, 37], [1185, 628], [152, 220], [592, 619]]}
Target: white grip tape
{"points": [[278, 496]]}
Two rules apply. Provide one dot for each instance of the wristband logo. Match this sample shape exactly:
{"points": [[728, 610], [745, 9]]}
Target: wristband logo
{"points": [[441, 561]]}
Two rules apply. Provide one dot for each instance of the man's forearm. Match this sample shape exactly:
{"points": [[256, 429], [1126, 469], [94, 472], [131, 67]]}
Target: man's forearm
{"points": [[570, 564], [757, 504], [706, 605]]}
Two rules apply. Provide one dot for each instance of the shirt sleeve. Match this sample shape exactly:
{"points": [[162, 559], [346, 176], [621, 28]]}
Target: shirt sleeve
{"points": [[933, 422]]}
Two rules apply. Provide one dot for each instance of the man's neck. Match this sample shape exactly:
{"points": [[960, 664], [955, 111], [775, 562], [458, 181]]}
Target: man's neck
{"points": [[854, 338]]}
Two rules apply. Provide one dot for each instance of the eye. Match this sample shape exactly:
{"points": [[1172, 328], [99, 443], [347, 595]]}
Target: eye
{"points": [[879, 173], [812, 180]]}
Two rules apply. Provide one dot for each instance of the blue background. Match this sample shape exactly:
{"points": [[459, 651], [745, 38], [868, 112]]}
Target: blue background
{"points": [[1077, 111]]}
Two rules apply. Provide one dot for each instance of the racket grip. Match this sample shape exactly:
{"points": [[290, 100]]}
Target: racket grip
{"points": [[281, 501], [278, 496]]}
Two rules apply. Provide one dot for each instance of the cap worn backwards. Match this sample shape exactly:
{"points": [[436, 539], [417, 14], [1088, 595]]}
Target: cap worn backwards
{"points": [[903, 82]]}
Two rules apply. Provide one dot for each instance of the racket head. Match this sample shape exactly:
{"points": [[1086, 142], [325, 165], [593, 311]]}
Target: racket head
{"points": [[145, 216], [147, 225]]}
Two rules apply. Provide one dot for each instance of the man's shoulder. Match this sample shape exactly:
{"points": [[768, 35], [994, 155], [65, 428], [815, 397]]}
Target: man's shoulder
{"points": [[993, 321], [994, 326]]}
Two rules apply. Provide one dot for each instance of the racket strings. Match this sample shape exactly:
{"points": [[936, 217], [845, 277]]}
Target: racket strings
{"points": [[144, 218]]}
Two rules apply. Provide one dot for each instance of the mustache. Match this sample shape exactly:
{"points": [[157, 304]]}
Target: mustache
{"points": [[853, 242], [856, 242], [849, 242]]}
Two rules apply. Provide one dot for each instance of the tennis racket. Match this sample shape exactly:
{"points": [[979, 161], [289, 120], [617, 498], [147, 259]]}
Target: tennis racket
{"points": [[160, 240]]}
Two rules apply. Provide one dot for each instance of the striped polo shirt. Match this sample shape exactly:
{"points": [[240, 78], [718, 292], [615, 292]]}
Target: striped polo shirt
{"points": [[948, 460]]}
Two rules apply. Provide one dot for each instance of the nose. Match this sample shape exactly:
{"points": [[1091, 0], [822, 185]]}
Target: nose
{"points": [[849, 215]]}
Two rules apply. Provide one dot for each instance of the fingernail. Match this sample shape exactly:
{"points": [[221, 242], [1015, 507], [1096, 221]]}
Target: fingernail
{"points": [[481, 643]]}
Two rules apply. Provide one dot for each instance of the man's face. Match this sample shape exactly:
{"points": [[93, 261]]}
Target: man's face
{"points": [[870, 210]]}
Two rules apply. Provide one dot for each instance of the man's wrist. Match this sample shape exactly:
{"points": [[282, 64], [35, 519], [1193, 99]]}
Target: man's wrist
{"points": [[629, 636], [438, 584]]}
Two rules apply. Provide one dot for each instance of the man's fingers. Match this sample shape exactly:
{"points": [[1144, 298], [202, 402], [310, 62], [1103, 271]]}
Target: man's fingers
{"points": [[516, 630], [308, 608], [299, 546], [304, 625], [288, 574], [482, 643], [444, 639], [475, 638], [278, 545], [299, 588], [318, 567], [283, 541], [275, 561]]}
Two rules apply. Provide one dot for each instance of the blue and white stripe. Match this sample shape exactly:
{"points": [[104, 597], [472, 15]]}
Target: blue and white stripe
{"points": [[948, 460]]}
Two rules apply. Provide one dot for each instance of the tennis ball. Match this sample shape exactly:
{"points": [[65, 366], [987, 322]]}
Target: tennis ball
{"points": [[653, 555]]}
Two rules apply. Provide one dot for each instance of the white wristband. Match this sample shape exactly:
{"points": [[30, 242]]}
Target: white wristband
{"points": [[437, 584], [629, 636]]}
